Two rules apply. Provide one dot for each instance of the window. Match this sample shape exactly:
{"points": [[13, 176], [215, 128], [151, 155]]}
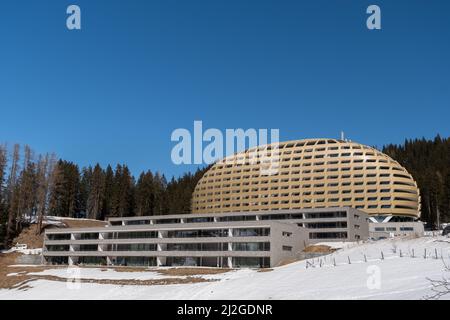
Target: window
{"points": [[251, 246], [88, 247], [255, 262], [328, 235], [327, 225], [199, 220], [57, 247], [63, 236], [197, 247], [89, 236], [237, 218], [132, 247], [133, 235], [251, 232], [287, 248], [197, 233]]}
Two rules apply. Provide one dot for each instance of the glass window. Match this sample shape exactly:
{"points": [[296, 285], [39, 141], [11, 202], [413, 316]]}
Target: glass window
{"points": [[251, 246], [251, 232]]}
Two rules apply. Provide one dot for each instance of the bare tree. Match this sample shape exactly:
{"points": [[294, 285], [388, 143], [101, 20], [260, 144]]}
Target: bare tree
{"points": [[440, 287], [41, 190], [12, 193], [3, 162], [27, 188], [3, 209], [45, 180]]}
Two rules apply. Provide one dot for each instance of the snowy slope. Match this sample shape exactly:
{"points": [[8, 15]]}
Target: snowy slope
{"points": [[400, 277]]}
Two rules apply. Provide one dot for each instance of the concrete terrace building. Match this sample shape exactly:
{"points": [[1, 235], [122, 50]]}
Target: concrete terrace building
{"points": [[250, 239], [308, 174], [221, 244]]}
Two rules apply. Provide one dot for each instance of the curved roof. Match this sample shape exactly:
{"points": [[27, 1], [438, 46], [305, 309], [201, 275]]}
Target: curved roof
{"points": [[310, 173]]}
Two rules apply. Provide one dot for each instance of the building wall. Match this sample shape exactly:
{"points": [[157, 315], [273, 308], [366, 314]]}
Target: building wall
{"points": [[296, 241], [395, 229], [317, 221], [305, 174], [358, 225], [80, 247]]}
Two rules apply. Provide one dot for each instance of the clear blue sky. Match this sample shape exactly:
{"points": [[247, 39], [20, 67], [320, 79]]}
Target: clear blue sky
{"points": [[114, 91]]}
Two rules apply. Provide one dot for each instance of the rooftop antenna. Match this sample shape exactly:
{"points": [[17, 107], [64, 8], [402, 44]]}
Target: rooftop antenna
{"points": [[342, 136]]}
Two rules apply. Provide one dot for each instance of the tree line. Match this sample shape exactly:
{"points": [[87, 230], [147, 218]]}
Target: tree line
{"points": [[32, 186], [428, 161]]}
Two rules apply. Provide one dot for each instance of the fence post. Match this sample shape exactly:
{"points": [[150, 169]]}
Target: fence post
{"points": [[349, 262], [382, 255], [334, 262], [425, 253], [365, 258], [413, 253]]}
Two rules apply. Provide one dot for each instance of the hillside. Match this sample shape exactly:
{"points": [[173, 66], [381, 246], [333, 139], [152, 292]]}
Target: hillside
{"points": [[395, 269], [33, 240]]}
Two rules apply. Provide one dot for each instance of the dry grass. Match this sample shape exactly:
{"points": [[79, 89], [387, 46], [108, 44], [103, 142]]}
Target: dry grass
{"points": [[33, 240], [83, 223], [5, 261], [319, 249], [265, 270], [8, 259], [121, 269], [21, 275], [29, 237]]}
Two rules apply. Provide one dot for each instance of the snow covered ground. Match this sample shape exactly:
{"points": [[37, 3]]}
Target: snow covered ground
{"points": [[377, 270], [23, 251]]}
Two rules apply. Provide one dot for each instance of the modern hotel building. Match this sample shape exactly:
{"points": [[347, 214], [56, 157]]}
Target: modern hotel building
{"points": [[316, 190], [306, 174]]}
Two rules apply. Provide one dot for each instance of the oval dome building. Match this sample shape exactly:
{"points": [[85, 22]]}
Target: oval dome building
{"points": [[307, 174]]}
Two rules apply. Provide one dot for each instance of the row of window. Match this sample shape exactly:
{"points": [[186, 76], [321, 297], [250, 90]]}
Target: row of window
{"points": [[264, 232], [307, 198], [256, 262], [256, 169], [236, 232], [297, 162], [300, 146], [236, 246], [310, 178], [264, 192], [393, 229], [316, 204]]}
